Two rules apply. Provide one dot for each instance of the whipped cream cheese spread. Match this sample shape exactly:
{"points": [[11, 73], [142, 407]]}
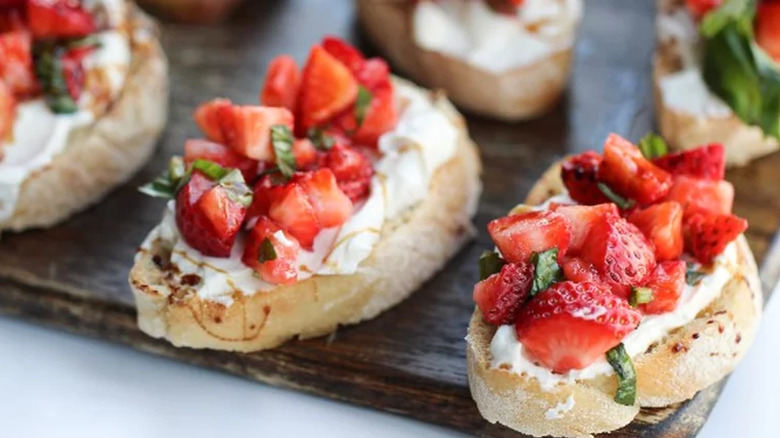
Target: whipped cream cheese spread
{"points": [[422, 141], [39, 134], [472, 31]]}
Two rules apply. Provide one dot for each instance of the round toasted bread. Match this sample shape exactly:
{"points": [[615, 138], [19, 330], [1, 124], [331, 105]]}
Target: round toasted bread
{"points": [[411, 249], [516, 94], [687, 360], [106, 153]]}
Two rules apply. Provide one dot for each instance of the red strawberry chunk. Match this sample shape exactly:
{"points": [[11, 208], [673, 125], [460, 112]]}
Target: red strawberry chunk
{"points": [[768, 28], [208, 119], [581, 220], [707, 162], [58, 19], [380, 117], [352, 170], [331, 206], [220, 154], [305, 153], [344, 52], [247, 129], [578, 270], [579, 176], [699, 8], [629, 174], [662, 225], [373, 74], [667, 282], [16, 68], [327, 89], [264, 191], [7, 113], [519, 236], [284, 268], [291, 209], [571, 325], [702, 196], [707, 235], [500, 296], [73, 71], [282, 83], [620, 252]]}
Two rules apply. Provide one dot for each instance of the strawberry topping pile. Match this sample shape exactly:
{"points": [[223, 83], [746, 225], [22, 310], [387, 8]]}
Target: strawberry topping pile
{"points": [[280, 172], [574, 280]]}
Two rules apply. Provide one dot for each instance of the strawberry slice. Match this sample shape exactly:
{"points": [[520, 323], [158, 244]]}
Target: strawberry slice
{"points": [[768, 28], [207, 118], [291, 209], [220, 154], [247, 129], [581, 220], [327, 89], [620, 252], [282, 83], [519, 236], [344, 52], [701, 195], [264, 192], [707, 235], [571, 325], [629, 174], [73, 70], [16, 68], [352, 170], [331, 206], [578, 270], [373, 74], [667, 282], [500, 296], [707, 162], [662, 225], [7, 113], [305, 153], [380, 116], [59, 19], [579, 176], [277, 264], [700, 8]]}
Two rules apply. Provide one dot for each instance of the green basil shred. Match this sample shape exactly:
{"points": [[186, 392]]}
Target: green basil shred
{"points": [[362, 104], [621, 202], [653, 146], [267, 251], [489, 263], [692, 275], [321, 140], [546, 271], [640, 295], [626, 374], [282, 142]]}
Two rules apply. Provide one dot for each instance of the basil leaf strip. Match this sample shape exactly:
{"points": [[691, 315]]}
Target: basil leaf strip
{"points": [[236, 188], [621, 202], [626, 374], [267, 251], [546, 271], [169, 183], [692, 276], [49, 70], [490, 263], [653, 146], [640, 295], [321, 140], [282, 142], [212, 170], [362, 104]]}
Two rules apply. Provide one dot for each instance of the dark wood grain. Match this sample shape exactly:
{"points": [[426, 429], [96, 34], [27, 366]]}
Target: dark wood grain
{"points": [[410, 360]]}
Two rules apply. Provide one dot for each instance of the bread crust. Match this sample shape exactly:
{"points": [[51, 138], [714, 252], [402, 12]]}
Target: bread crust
{"points": [[688, 360], [517, 94], [681, 130], [106, 153], [411, 249]]}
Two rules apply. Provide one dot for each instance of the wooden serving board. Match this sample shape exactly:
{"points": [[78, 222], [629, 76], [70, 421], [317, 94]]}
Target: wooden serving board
{"points": [[410, 360]]}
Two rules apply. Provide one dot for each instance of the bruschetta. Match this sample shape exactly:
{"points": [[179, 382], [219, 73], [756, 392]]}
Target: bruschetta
{"points": [[328, 203], [507, 59], [623, 282], [716, 75], [83, 99]]}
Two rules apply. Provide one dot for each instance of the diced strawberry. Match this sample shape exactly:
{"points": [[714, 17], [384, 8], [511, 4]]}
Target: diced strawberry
{"points": [[667, 282], [7, 113], [620, 252], [282, 83], [73, 71], [581, 220], [506, 7], [373, 74], [264, 191], [352, 169], [519, 236], [579, 176], [768, 28], [16, 68], [208, 119], [220, 154], [59, 19], [578, 270], [12, 16], [707, 162], [662, 225], [571, 325], [207, 218], [344, 52], [707, 235], [283, 269], [629, 174], [500, 296], [699, 8], [247, 129], [327, 89], [292, 210], [305, 153], [701, 195], [380, 117], [331, 206]]}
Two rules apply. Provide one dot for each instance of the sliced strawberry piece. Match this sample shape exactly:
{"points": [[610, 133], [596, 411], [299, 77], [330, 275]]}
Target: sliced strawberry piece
{"points": [[291, 209], [374, 74], [578, 270], [282, 83], [16, 68], [700, 8], [305, 153], [629, 174], [519, 236], [701, 195], [620, 252], [7, 113], [331, 206], [327, 89], [579, 176], [264, 192], [59, 19], [344, 52], [768, 28], [208, 119], [662, 225], [73, 71], [220, 154], [707, 235], [380, 117], [247, 129], [571, 325], [283, 269], [500, 296], [581, 220], [352, 169], [12, 16], [707, 162], [667, 282]]}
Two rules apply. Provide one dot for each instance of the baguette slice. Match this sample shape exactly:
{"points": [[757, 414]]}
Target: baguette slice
{"points": [[517, 94], [106, 153], [411, 249], [686, 361], [683, 130]]}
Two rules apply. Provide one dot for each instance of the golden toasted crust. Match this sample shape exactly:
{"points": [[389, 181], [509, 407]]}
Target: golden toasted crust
{"points": [[686, 361], [411, 249], [108, 152], [517, 94], [685, 131]]}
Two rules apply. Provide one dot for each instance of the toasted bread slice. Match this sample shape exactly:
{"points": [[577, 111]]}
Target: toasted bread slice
{"points": [[517, 94], [109, 151], [411, 249], [687, 360]]}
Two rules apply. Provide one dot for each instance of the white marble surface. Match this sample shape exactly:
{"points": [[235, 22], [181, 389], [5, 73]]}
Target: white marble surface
{"points": [[55, 384]]}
